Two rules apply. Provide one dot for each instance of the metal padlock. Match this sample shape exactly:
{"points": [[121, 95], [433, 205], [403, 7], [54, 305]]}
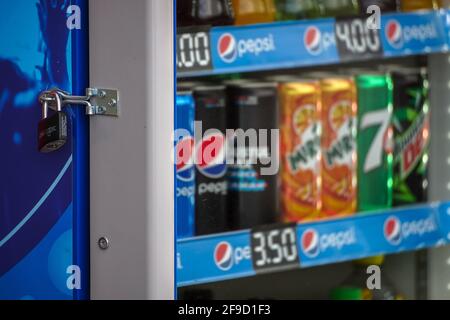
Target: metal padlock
{"points": [[52, 130]]}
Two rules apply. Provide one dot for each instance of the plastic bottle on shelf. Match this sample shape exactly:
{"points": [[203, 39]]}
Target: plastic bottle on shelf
{"points": [[253, 11], [297, 9], [355, 286], [414, 5], [204, 12], [335, 8], [384, 5], [444, 4]]}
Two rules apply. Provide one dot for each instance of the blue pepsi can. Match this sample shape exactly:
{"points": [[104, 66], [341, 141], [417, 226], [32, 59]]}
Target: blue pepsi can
{"points": [[184, 144]]}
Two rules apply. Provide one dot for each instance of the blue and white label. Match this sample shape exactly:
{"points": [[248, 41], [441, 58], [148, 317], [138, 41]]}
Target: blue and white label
{"points": [[267, 46], [415, 33], [214, 258]]}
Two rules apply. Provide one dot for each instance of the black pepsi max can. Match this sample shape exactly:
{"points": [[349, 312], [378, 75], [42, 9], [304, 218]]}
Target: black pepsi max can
{"points": [[253, 160]]}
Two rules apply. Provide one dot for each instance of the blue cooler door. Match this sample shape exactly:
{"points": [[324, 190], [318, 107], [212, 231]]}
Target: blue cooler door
{"points": [[44, 224]]}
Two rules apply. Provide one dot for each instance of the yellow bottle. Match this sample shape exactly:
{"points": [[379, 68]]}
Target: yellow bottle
{"points": [[253, 11], [414, 5]]}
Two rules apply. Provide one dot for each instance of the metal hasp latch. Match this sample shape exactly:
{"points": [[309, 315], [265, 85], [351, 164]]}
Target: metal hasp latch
{"points": [[98, 101], [52, 129]]}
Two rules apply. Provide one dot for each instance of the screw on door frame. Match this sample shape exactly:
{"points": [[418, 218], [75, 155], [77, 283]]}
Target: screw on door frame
{"points": [[103, 243]]}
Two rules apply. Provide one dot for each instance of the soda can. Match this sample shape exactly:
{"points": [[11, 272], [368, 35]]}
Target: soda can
{"points": [[253, 165], [411, 135], [184, 165], [204, 12], [375, 141], [414, 5], [297, 9], [211, 181], [253, 11], [300, 105], [335, 8], [339, 157], [384, 5]]}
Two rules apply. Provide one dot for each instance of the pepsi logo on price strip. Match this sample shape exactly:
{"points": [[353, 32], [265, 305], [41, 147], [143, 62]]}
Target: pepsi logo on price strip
{"points": [[401, 36], [227, 48], [310, 243], [392, 231], [312, 40], [230, 49], [394, 33], [397, 231], [223, 256], [226, 256], [316, 41], [315, 244]]}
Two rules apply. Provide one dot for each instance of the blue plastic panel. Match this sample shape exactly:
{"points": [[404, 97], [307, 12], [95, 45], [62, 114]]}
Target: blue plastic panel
{"points": [[43, 202]]}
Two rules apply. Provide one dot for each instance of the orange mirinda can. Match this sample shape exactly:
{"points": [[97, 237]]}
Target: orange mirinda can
{"points": [[339, 155], [300, 150]]}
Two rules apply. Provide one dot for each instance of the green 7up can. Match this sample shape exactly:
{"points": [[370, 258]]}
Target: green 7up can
{"points": [[375, 141]]}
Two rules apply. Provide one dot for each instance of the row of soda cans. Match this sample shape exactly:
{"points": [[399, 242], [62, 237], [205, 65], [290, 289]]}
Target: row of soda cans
{"points": [[243, 12], [348, 142]]}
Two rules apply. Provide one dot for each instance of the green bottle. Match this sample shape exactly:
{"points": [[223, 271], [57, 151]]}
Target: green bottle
{"points": [[297, 9], [336, 8], [375, 142]]}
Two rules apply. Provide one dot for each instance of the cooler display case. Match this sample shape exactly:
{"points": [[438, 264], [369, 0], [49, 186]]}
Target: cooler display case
{"points": [[98, 218]]}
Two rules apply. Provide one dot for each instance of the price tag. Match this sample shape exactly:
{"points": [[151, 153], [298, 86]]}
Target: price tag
{"points": [[357, 39], [193, 49], [274, 247]]}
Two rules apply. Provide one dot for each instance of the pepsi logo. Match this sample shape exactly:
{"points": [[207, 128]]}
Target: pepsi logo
{"points": [[210, 153], [392, 230], [394, 33], [313, 40], [227, 48], [223, 256], [310, 243], [184, 152]]}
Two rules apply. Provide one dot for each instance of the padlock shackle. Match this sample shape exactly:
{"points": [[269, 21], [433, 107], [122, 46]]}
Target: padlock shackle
{"points": [[57, 99], [44, 109], [77, 99], [61, 98]]}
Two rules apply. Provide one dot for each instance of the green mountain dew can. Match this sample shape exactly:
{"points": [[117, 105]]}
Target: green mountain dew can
{"points": [[411, 123], [375, 141]]}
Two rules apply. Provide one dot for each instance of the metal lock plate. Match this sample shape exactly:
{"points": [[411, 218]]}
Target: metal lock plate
{"points": [[103, 102]]}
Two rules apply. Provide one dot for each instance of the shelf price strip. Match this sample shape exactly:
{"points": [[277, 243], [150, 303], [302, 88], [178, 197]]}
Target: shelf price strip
{"points": [[204, 51], [289, 246]]}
